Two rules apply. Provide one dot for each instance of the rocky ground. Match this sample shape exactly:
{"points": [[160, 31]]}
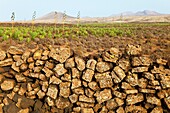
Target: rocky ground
{"points": [[47, 79]]}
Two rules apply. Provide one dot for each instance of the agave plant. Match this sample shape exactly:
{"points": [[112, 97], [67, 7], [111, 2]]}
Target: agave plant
{"points": [[55, 20], [78, 19], [12, 19], [33, 19]]}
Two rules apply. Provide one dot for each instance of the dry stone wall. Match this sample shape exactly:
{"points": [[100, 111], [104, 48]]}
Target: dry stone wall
{"points": [[55, 80]]}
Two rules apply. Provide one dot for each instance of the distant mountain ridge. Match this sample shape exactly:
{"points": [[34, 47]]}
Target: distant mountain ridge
{"points": [[53, 15], [139, 13], [140, 16]]}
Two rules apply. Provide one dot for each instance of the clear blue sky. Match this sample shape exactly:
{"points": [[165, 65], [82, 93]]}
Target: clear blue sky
{"points": [[94, 8]]}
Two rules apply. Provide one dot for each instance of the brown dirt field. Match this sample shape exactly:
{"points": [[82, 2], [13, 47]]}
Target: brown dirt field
{"points": [[155, 41]]}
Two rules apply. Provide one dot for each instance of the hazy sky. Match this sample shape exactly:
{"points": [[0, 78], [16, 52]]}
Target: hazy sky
{"points": [[94, 8]]}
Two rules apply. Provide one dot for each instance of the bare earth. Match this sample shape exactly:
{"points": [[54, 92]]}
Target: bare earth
{"points": [[154, 40]]}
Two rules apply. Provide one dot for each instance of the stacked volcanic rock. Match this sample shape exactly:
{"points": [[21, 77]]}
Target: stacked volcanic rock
{"points": [[55, 80]]}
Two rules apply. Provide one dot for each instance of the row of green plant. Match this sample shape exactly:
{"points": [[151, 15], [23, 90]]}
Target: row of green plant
{"points": [[28, 33], [152, 24]]}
